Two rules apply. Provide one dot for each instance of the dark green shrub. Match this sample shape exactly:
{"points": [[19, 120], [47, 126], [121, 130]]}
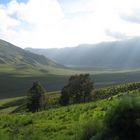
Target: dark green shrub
{"points": [[123, 121], [90, 130]]}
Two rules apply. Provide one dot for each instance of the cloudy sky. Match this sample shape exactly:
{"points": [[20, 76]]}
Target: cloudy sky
{"points": [[67, 23]]}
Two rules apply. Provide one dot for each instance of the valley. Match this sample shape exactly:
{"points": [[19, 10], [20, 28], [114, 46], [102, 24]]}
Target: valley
{"points": [[19, 69], [69, 70], [123, 54]]}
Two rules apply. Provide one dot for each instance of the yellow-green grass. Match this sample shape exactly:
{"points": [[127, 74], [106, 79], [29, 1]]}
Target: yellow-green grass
{"points": [[64, 123], [58, 123], [8, 110], [8, 100], [39, 70], [5, 101], [10, 104]]}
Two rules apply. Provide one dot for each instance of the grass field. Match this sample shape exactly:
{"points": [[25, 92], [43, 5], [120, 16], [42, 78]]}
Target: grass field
{"points": [[20, 78], [11, 104], [19, 85], [57, 122], [54, 124], [63, 123]]}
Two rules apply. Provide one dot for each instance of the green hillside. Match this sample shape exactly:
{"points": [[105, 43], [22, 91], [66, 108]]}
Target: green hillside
{"points": [[55, 124], [16, 61], [11, 54], [60, 123]]}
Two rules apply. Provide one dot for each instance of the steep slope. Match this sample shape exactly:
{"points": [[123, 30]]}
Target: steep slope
{"points": [[66, 123], [20, 68], [13, 55], [117, 54]]}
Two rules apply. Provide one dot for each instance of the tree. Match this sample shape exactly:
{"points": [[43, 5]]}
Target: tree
{"points": [[36, 97], [65, 96], [77, 90]]}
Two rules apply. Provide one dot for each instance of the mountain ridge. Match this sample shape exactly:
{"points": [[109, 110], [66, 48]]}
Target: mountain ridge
{"points": [[115, 54], [11, 54]]}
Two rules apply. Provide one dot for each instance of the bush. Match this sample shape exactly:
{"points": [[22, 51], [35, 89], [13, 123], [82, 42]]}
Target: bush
{"points": [[123, 121], [90, 130]]}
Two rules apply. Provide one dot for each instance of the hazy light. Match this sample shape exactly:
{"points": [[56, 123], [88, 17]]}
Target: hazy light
{"points": [[59, 23]]}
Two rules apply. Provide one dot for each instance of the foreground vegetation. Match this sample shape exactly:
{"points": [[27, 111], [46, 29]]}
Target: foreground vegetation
{"points": [[82, 121], [64, 123], [53, 124]]}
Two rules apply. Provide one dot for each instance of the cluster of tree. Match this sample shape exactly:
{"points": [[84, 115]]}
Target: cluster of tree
{"points": [[114, 90], [77, 90]]}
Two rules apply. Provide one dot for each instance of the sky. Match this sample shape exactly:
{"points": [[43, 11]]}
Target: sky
{"points": [[67, 23]]}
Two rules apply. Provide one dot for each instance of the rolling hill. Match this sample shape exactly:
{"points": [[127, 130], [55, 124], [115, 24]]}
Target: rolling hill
{"points": [[117, 54]]}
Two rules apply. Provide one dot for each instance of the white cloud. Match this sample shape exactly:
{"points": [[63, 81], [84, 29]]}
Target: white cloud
{"points": [[53, 23], [31, 24]]}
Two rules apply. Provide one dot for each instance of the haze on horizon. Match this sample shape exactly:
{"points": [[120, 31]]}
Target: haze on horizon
{"points": [[63, 23]]}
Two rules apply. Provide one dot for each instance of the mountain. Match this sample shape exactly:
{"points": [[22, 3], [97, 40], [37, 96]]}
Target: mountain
{"points": [[117, 54], [14, 60], [20, 68], [11, 54]]}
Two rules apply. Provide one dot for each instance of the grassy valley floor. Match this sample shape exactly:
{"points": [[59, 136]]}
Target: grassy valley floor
{"points": [[18, 84]]}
